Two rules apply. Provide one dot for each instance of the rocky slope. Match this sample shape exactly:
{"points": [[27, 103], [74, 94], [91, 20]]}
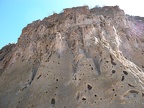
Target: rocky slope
{"points": [[80, 58]]}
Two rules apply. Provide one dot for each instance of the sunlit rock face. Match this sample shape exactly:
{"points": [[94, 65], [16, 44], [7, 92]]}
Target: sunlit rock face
{"points": [[81, 58]]}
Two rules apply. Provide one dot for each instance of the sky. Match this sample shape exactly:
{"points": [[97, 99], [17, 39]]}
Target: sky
{"points": [[16, 14]]}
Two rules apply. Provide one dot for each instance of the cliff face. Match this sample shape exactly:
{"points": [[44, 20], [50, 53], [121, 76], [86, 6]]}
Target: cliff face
{"points": [[80, 58]]}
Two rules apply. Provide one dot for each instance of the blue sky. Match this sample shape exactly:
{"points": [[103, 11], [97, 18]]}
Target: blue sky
{"points": [[16, 14]]}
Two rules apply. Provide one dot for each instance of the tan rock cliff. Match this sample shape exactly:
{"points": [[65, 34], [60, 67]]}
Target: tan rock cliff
{"points": [[81, 58]]}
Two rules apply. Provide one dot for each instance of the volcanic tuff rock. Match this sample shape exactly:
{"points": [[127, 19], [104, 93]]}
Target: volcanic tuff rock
{"points": [[80, 58]]}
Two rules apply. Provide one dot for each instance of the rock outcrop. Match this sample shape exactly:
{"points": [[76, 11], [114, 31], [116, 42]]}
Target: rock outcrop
{"points": [[80, 58]]}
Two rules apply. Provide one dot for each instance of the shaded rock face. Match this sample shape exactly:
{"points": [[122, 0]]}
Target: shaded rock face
{"points": [[80, 58], [5, 56]]}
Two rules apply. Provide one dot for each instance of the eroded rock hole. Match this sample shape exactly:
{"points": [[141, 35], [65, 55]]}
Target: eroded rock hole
{"points": [[78, 95], [131, 94], [113, 71], [125, 72], [131, 85], [39, 76], [89, 87], [133, 91], [122, 79], [107, 61], [53, 102], [142, 94], [83, 98], [91, 68]]}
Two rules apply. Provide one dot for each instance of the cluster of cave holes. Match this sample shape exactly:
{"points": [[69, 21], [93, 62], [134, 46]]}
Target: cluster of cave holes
{"points": [[90, 66], [123, 77], [56, 79], [106, 62], [56, 62], [75, 78], [84, 98], [114, 91], [112, 62], [89, 87]]}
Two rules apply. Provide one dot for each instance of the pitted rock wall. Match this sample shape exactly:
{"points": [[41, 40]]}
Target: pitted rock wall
{"points": [[80, 58]]}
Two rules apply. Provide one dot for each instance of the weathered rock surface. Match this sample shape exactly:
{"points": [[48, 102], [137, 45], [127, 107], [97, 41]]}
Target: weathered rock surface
{"points": [[80, 58]]}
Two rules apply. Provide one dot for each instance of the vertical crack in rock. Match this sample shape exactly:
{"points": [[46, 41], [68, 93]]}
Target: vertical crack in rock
{"points": [[34, 71], [112, 60], [97, 66], [75, 65]]}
